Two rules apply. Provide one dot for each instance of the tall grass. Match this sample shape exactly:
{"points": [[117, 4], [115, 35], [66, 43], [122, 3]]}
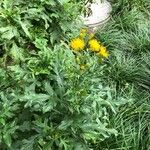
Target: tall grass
{"points": [[127, 37], [133, 125]]}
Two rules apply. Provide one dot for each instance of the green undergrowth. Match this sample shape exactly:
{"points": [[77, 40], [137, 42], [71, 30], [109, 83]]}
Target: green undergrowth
{"points": [[47, 102], [127, 37]]}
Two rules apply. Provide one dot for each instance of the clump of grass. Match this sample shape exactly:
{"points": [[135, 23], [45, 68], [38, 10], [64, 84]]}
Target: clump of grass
{"points": [[123, 68], [132, 123], [143, 78], [127, 36]]}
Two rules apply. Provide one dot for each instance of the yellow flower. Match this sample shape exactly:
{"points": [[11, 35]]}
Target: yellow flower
{"points": [[83, 33], [94, 45], [77, 44], [103, 52]]}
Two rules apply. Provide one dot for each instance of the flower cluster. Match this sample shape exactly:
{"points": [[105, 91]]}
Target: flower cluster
{"points": [[87, 41], [77, 44]]}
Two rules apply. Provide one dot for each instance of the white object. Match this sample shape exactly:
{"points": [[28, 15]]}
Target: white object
{"points": [[100, 13]]}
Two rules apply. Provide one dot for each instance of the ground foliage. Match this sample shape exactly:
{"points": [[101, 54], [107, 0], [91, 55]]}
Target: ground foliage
{"points": [[48, 102], [128, 71]]}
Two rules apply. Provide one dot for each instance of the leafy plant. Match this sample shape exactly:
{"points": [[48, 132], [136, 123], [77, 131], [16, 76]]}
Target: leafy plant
{"points": [[50, 101], [46, 100]]}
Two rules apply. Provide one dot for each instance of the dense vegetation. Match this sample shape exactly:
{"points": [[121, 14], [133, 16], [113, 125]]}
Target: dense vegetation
{"points": [[47, 102]]}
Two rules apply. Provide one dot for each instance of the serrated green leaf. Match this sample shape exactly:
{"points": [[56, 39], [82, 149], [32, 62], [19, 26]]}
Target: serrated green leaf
{"points": [[2, 121], [64, 124], [25, 26], [8, 32], [7, 139], [17, 53]]}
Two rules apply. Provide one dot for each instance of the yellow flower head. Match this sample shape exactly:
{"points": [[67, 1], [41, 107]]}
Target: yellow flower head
{"points": [[77, 44], [103, 52], [94, 45]]}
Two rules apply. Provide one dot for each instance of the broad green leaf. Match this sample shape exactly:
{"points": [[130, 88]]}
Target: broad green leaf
{"points": [[8, 32], [40, 43], [25, 26], [17, 53], [64, 124], [7, 139], [49, 105], [28, 143], [2, 121]]}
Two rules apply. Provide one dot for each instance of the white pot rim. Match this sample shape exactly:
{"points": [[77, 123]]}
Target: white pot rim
{"points": [[100, 14]]}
